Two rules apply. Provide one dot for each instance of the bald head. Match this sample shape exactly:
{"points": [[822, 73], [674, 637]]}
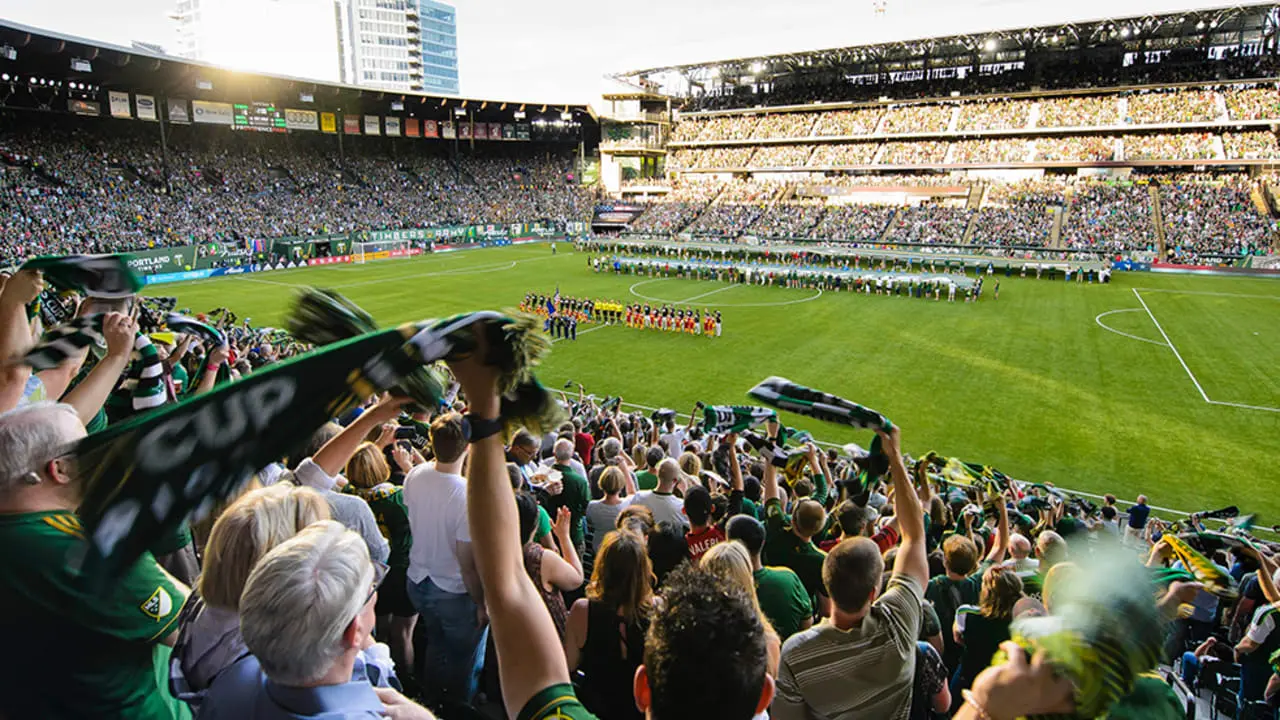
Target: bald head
{"points": [[563, 450], [1051, 548], [668, 471], [1019, 547]]}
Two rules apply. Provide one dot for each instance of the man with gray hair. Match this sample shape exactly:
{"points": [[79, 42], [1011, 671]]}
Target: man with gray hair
{"points": [[576, 494], [306, 613], [86, 652]]}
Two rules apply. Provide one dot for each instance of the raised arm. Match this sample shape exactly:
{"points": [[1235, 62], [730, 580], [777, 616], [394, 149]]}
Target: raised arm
{"points": [[770, 481], [530, 656], [1265, 579], [332, 457], [911, 560], [1001, 546], [87, 397], [565, 570], [217, 356]]}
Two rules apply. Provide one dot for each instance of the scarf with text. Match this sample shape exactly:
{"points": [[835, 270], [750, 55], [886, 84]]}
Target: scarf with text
{"points": [[514, 345], [722, 419], [145, 476], [142, 385], [97, 276]]}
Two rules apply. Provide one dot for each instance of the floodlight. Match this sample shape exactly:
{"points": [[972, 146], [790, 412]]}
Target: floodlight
{"points": [[757, 67], [1124, 32], [1200, 25], [990, 45], [459, 111], [5, 77], [1054, 39], [715, 72], [566, 116]]}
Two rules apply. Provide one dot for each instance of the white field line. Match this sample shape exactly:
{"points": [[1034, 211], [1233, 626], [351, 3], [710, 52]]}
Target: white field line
{"points": [[688, 300], [1171, 346], [584, 332], [1108, 328], [1204, 292]]}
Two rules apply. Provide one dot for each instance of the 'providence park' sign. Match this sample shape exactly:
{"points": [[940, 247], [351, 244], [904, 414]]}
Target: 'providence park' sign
{"points": [[469, 232]]}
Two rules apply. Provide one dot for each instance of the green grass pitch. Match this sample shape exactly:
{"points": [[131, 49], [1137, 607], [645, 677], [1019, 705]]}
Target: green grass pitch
{"points": [[1032, 383]]}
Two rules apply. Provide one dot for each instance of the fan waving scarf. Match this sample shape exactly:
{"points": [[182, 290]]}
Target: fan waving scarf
{"points": [[145, 476], [190, 326], [514, 346], [786, 395], [143, 385], [1214, 579], [99, 276], [1102, 635], [734, 418]]}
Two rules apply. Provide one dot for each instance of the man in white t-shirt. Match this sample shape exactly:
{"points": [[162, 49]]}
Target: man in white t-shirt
{"points": [[673, 438], [663, 501], [443, 582]]}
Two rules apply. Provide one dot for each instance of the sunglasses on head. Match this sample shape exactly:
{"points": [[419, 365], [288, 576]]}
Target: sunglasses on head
{"points": [[379, 574]]}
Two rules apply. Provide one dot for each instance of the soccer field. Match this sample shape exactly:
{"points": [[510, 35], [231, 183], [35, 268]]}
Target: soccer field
{"points": [[1162, 384]]}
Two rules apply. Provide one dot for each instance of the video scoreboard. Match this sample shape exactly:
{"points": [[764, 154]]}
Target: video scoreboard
{"points": [[259, 116]]}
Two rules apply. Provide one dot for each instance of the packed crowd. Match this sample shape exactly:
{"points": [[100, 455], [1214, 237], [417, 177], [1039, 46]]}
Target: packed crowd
{"points": [[1089, 148], [1211, 217], [989, 150], [1097, 216], [1180, 146], [72, 186], [1251, 145], [1078, 111], [853, 222], [844, 155], [775, 156], [994, 115], [1018, 214], [931, 224], [1110, 217], [737, 207], [1256, 103], [679, 208], [786, 219], [917, 119], [785, 125], [1175, 106], [847, 122], [926, 152]]}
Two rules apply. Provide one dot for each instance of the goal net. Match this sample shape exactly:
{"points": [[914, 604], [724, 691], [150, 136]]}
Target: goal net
{"points": [[363, 252]]}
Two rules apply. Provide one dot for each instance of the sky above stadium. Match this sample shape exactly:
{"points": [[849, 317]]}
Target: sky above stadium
{"points": [[560, 52]]}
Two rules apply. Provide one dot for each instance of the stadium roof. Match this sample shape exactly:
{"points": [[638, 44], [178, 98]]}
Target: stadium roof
{"points": [[27, 52], [1223, 24]]}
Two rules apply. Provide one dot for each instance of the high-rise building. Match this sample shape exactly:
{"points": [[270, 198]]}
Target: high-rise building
{"points": [[407, 45], [246, 35]]}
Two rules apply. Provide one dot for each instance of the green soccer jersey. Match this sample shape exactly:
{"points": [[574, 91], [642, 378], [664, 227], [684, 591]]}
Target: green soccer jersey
{"points": [[557, 702], [947, 596], [783, 599], [646, 480], [387, 503], [85, 651], [180, 379], [783, 548]]}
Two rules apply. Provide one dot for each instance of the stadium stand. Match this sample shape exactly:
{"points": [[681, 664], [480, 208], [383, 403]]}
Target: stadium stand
{"points": [[732, 560]]}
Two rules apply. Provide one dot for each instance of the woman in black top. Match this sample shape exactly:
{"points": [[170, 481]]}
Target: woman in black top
{"points": [[604, 637], [981, 629]]}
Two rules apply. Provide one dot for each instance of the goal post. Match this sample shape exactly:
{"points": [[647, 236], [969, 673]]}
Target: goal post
{"points": [[362, 252]]}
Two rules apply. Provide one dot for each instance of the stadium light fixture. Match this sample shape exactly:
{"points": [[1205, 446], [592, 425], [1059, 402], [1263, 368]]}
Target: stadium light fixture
{"points": [[518, 115], [990, 45], [459, 111], [714, 72], [1124, 32], [4, 77], [757, 67], [1200, 25], [1054, 39], [566, 116]]}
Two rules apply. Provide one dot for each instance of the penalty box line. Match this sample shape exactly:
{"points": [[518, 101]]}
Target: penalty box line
{"points": [[1190, 374]]}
